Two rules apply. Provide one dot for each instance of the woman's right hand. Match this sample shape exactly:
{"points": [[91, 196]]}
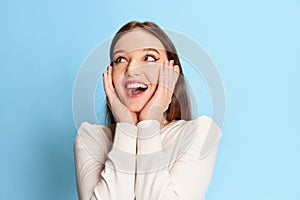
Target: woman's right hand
{"points": [[120, 112]]}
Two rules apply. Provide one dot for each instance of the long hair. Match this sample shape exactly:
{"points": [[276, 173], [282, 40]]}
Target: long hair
{"points": [[179, 107]]}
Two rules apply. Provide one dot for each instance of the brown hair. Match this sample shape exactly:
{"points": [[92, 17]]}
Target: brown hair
{"points": [[179, 107]]}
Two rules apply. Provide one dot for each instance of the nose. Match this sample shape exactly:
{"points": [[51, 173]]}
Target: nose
{"points": [[133, 68]]}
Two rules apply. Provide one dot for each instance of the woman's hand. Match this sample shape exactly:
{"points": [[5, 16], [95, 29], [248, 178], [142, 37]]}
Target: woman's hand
{"points": [[159, 103], [120, 112]]}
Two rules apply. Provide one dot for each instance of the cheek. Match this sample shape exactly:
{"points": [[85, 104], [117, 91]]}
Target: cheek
{"points": [[116, 77], [152, 73], [118, 83]]}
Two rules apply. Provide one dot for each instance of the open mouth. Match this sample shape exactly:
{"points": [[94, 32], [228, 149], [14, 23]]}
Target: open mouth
{"points": [[136, 88]]}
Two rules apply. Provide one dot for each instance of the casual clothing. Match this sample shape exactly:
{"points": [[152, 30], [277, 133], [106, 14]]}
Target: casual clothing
{"points": [[144, 162]]}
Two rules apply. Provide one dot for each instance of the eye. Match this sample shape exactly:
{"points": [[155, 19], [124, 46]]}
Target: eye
{"points": [[120, 59], [150, 58]]}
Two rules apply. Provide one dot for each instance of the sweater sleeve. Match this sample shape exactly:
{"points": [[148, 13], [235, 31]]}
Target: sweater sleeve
{"points": [[190, 175], [105, 171]]}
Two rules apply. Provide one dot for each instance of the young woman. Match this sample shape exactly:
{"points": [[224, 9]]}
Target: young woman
{"points": [[151, 149]]}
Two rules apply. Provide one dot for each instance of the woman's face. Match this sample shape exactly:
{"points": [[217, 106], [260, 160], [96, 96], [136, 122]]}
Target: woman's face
{"points": [[137, 57]]}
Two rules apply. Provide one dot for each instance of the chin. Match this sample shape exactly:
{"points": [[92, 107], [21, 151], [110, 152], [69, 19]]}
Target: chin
{"points": [[136, 105], [135, 108]]}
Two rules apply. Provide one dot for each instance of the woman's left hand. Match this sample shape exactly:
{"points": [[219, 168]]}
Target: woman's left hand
{"points": [[159, 103]]}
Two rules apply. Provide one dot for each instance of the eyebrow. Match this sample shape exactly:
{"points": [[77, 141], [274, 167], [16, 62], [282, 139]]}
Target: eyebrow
{"points": [[119, 51], [151, 49], [146, 49]]}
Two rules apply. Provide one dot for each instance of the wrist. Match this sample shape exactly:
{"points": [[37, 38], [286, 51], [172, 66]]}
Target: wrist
{"points": [[148, 135], [125, 137], [154, 113]]}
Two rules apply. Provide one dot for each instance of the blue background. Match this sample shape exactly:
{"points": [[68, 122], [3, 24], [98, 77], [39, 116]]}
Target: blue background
{"points": [[254, 44]]}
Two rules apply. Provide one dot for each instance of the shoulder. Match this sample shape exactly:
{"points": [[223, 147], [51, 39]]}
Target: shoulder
{"points": [[94, 129], [198, 136], [209, 134], [202, 124], [207, 124], [94, 137]]}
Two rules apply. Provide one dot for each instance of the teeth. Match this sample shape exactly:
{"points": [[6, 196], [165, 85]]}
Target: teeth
{"points": [[136, 85]]}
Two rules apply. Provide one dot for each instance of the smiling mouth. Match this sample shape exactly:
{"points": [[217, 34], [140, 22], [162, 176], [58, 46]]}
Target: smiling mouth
{"points": [[136, 88]]}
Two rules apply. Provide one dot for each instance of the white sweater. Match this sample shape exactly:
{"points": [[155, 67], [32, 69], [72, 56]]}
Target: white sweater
{"points": [[144, 162]]}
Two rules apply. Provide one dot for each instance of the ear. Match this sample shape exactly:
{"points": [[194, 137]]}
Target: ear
{"points": [[177, 69]]}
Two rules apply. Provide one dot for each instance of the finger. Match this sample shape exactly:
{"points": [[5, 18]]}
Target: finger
{"points": [[171, 64], [167, 64], [109, 78], [172, 75], [175, 68], [176, 72], [166, 74], [162, 73], [169, 73], [164, 77], [106, 88]]}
